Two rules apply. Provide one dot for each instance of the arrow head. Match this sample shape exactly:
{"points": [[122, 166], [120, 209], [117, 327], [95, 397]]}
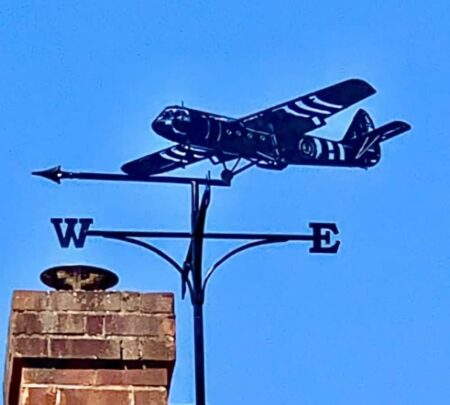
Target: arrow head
{"points": [[54, 174]]}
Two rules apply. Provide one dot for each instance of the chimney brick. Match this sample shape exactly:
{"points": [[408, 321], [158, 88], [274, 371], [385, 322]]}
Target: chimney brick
{"points": [[90, 347]]}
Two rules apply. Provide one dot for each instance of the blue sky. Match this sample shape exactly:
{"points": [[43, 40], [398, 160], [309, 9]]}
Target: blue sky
{"points": [[80, 83]]}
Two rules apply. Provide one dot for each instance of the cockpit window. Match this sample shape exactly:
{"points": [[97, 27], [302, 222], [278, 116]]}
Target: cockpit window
{"points": [[167, 115], [180, 115]]}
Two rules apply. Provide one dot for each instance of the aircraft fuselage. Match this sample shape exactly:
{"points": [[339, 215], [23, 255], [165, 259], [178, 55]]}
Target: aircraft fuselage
{"points": [[225, 138]]}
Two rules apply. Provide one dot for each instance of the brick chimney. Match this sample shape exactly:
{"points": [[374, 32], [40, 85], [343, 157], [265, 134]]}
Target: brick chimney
{"points": [[90, 347]]}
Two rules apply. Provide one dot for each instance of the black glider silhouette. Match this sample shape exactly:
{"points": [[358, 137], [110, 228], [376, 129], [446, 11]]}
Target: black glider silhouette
{"points": [[271, 139]]}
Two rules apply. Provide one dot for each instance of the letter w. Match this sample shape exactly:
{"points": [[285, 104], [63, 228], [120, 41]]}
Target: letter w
{"points": [[70, 234]]}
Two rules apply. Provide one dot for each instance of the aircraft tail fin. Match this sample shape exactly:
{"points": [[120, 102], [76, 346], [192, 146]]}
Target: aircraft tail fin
{"points": [[361, 124], [364, 139]]}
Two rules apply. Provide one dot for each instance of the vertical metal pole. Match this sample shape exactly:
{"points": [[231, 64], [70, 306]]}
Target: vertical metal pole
{"points": [[200, 396], [197, 300], [195, 202]]}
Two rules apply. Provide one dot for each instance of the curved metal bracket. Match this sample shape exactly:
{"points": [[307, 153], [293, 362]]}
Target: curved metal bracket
{"points": [[158, 252], [234, 252]]}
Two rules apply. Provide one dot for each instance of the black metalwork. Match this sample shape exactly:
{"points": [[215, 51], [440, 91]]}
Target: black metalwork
{"points": [[56, 174], [272, 138], [75, 231]]}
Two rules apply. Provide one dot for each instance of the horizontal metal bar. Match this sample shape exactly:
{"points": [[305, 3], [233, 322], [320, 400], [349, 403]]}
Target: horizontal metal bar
{"points": [[56, 174], [152, 179], [139, 234], [255, 236], [207, 235]]}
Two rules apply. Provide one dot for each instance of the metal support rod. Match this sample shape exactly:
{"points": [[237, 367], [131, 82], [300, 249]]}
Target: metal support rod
{"points": [[200, 391], [191, 270], [56, 174], [194, 204], [197, 297]]}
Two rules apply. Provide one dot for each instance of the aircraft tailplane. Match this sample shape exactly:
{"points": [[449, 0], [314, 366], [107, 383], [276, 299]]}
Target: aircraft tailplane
{"points": [[364, 139], [371, 140]]}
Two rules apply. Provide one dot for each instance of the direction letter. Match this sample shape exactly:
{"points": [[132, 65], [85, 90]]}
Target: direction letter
{"points": [[322, 233], [70, 234]]}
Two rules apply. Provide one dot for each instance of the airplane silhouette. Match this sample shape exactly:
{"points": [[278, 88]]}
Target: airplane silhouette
{"points": [[272, 138]]}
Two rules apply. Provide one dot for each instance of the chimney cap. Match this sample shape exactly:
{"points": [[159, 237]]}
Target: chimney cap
{"points": [[79, 277]]}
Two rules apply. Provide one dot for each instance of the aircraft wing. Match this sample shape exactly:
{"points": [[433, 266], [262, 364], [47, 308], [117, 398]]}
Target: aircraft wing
{"points": [[164, 160], [308, 112]]}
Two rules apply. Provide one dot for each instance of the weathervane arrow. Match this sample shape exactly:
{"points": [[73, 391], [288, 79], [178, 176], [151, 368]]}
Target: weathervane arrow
{"points": [[54, 174]]}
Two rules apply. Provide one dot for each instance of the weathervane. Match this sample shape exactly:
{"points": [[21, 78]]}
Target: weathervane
{"points": [[271, 139]]}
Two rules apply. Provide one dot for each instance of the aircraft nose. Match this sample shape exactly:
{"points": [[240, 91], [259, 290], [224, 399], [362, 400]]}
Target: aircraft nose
{"points": [[159, 126]]}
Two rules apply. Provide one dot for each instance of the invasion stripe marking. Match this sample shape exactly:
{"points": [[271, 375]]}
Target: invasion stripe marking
{"points": [[220, 131], [341, 151], [331, 151], [178, 152], [316, 118], [318, 147], [293, 112], [317, 100], [209, 128], [164, 155], [302, 105]]}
